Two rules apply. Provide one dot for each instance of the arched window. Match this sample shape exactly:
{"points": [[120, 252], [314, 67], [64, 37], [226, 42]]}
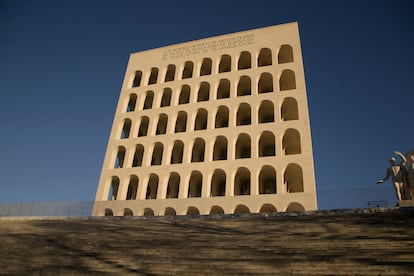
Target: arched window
{"points": [[225, 64], [216, 210], [166, 97], [136, 82], [126, 129], [157, 154], [170, 212], [245, 61], [188, 70], [287, 80], [128, 212], [143, 127], [196, 184], [265, 83], [206, 67], [170, 75], [242, 209], [132, 102], [218, 183], [198, 150], [266, 112], [265, 57], [203, 92], [291, 142], [220, 149], [223, 90], [201, 119], [184, 95], [173, 185], [177, 152], [267, 180], [293, 179], [222, 117], [244, 87], [285, 54], [108, 212], [244, 115], [243, 146], [181, 123], [148, 212], [153, 76], [113, 188], [289, 110], [192, 211], [267, 144], [120, 156], [132, 188], [295, 207], [152, 187], [242, 182], [138, 156], [148, 100], [162, 124], [267, 208]]}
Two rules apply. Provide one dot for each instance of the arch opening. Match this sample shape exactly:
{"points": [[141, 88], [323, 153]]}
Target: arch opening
{"points": [[143, 127], [266, 112], [184, 95], [181, 123], [223, 90], [177, 152], [148, 100], [198, 150], [267, 144], [218, 183], [293, 179], [243, 115], [162, 124], [152, 187], [242, 182], [203, 92], [170, 75], [243, 146], [195, 185], [153, 76], [120, 157], [244, 88], [137, 79], [285, 54], [220, 148], [126, 129], [132, 188], [113, 188], [241, 209], [222, 117], [291, 142], [267, 208], [289, 110], [192, 211], [188, 70], [170, 212], [265, 57], [132, 102], [245, 61], [201, 119], [267, 180], [138, 156], [225, 64], [166, 97], [206, 67], [128, 212], [295, 207], [216, 210], [287, 80], [157, 154], [265, 83], [173, 185]]}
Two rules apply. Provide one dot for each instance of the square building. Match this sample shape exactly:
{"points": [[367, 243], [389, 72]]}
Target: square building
{"points": [[213, 126]]}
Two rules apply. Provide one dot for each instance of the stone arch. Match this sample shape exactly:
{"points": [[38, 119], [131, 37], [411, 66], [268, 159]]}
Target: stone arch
{"points": [[177, 152], [184, 94], [153, 76], [266, 112], [138, 156], [243, 115], [113, 188], [291, 142], [128, 212], [157, 154], [242, 182], [136, 82], [108, 212], [173, 185], [149, 99], [242, 209], [201, 119], [285, 54], [195, 185], [243, 146], [181, 123], [132, 102], [143, 127], [225, 64], [289, 110], [120, 157], [267, 180], [244, 87], [126, 128], [222, 117], [148, 212], [245, 61], [293, 178], [287, 80], [206, 67], [216, 210], [170, 75], [295, 207], [152, 187], [268, 208], [223, 89], [198, 151], [220, 148], [188, 70], [265, 83], [265, 57], [267, 144], [203, 92], [162, 124], [218, 183], [193, 211], [166, 97], [169, 211], [132, 188]]}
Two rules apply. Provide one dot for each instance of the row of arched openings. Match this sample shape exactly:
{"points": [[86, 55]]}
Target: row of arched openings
{"points": [[215, 210], [244, 88], [267, 184], [264, 58], [288, 112], [242, 149]]}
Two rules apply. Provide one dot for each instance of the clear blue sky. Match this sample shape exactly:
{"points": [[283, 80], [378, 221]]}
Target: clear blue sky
{"points": [[62, 65]]}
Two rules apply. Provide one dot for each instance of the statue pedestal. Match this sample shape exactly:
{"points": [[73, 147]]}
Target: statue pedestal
{"points": [[406, 203]]}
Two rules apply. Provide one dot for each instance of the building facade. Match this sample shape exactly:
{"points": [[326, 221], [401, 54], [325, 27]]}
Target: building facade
{"points": [[214, 126]]}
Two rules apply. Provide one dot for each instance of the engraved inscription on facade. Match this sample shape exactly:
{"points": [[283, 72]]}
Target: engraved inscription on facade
{"points": [[208, 46]]}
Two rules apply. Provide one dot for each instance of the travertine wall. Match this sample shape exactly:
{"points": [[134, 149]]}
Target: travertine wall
{"points": [[218, 125]]}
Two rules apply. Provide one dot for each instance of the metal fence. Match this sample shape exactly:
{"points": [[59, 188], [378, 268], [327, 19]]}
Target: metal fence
{"points": [[377, 196]]}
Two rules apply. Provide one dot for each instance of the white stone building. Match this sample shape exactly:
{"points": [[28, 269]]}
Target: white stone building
{"points": [[217, 125]]}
